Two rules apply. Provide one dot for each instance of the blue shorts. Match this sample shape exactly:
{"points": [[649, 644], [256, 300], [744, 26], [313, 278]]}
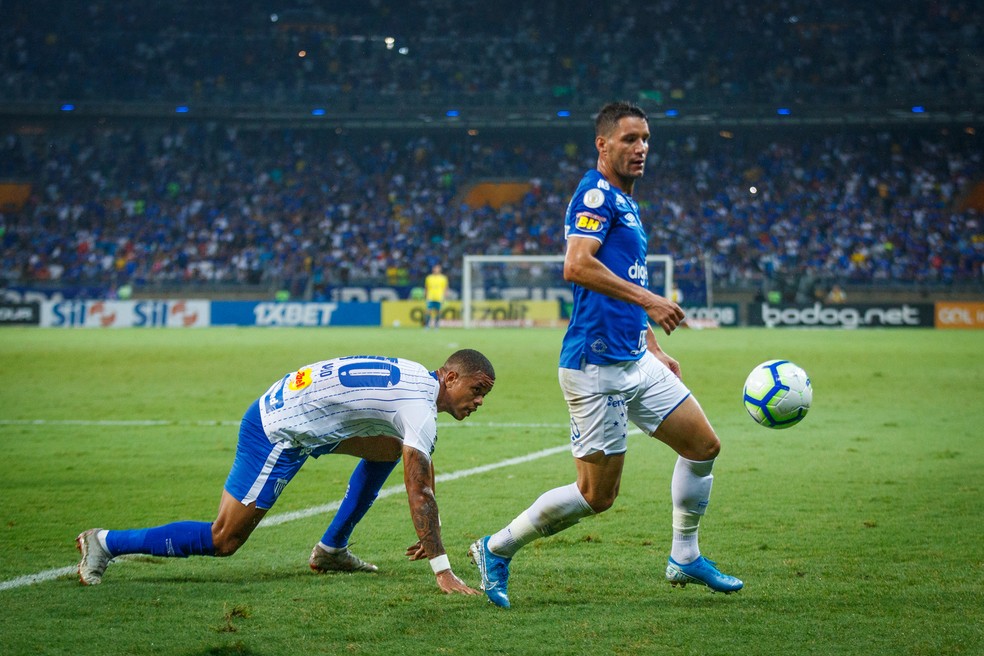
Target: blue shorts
{"points": [[262, 470], [434, 305]]}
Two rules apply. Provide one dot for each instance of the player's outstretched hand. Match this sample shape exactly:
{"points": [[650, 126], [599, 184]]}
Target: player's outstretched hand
{"points": [[450, 583], [416, 551]]}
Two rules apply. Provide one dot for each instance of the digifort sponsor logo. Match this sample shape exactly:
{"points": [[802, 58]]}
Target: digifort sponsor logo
{"points": [[845, 317], [640, 273]]}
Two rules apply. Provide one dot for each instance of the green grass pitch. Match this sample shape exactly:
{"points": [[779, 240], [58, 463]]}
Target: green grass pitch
{"points": [[858, 531]]}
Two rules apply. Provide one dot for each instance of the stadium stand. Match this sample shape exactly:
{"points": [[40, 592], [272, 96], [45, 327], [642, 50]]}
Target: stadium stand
{"points": [[206, 203]]}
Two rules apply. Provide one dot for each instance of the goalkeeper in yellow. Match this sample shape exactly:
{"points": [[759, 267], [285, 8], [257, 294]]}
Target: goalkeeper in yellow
{"points": [[435, 287]]}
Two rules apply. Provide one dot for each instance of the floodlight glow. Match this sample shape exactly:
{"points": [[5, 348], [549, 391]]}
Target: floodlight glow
{"points": [[452, 113], [563, 113], [181, 109], [317, 112], [783, 111], [672, 112], [918, 109], [68, 107]]}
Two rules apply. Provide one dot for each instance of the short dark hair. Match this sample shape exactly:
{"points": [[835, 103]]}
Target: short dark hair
{"points": [[470, 361], [609, 116]]}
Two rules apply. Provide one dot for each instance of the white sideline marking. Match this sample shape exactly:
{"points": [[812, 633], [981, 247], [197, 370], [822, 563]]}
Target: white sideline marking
{"points": [[275, 520]]}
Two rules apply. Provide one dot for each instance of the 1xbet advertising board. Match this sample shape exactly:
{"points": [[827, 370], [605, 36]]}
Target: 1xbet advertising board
{"points": [[244, 313]]}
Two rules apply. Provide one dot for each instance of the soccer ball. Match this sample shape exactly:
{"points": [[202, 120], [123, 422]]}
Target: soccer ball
{"points": [[778, 394]]}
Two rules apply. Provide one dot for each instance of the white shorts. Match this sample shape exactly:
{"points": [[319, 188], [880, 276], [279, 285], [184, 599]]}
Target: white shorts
{"points": [[603, 400]]}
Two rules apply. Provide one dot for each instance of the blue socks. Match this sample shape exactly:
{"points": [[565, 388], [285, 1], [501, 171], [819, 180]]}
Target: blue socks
{"points": [[183, 539], [177, 540], [363, 488]]}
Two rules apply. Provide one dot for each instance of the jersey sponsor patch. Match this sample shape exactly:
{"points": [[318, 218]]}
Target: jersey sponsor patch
{"points": [[300, 380], [594, 198], [588, 222]]}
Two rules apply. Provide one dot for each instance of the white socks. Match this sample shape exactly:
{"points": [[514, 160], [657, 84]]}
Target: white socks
{"points": [[554, 511], [690, 490], [563, 507]]}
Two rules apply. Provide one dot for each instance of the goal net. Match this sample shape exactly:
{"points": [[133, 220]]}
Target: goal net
{"points": [[529, 290]]}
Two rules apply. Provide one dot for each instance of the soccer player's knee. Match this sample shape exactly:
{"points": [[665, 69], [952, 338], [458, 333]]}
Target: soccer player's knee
{"points": [[711, 448]]}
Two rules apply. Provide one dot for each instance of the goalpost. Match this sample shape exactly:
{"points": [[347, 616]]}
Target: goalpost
{"points": [[498, 278]]}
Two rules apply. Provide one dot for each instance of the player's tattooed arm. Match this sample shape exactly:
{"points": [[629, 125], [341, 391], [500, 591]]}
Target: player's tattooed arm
{"points": [[418, 474]]}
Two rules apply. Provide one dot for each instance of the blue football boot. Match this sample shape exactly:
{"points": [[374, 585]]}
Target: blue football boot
{"points": [[494, 570], [701, 572]]}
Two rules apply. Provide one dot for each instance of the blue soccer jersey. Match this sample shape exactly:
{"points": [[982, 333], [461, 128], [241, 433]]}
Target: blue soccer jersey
{"points": [[603, 330]]}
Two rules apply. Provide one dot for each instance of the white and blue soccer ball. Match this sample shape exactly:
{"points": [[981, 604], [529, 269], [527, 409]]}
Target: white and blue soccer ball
{"points": [[778, 394]]}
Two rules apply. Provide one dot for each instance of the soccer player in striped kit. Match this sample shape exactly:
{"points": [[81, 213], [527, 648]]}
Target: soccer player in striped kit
{"points": [[376, 408]]}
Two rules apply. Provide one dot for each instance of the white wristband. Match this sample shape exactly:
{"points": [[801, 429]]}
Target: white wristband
{"points": [[440, 563]]}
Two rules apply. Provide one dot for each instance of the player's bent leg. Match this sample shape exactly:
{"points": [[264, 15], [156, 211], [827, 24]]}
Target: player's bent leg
{"points": [[331, 554], [175, 540]]}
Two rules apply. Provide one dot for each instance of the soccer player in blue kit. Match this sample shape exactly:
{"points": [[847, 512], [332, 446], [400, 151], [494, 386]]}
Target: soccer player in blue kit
{"points": [[612, 371], [376, 408]]}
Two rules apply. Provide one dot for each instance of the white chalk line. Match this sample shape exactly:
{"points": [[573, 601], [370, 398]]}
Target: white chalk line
{"points": [[282, 518]]}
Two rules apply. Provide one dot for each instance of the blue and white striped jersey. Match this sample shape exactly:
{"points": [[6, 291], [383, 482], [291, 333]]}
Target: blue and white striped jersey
{"points": [[603, 330], [353, 396]]}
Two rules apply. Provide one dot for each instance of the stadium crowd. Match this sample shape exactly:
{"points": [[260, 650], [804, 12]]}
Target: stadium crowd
{"points": [[304, 210], [124, 203], [463, 52]]}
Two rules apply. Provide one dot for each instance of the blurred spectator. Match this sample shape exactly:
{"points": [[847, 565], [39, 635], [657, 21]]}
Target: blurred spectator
{"points": [[836, 294]]}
